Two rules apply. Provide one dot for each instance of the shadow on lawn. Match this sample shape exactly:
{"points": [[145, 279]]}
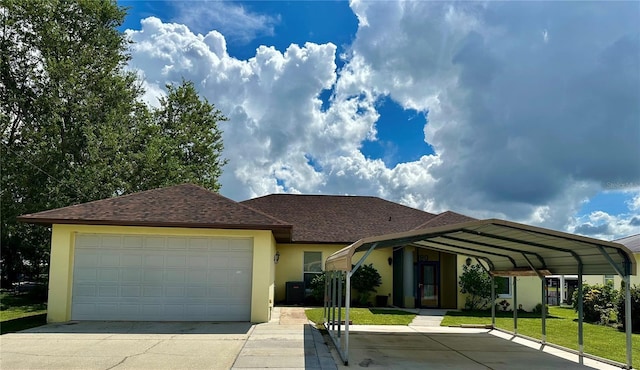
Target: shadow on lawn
{"points": [[506, 314], [22, 323], [385, 311]]}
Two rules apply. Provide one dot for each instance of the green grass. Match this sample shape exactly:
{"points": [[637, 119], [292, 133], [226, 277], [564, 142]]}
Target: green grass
{"points": [[366, 316], [20, 312], [562, 329]]}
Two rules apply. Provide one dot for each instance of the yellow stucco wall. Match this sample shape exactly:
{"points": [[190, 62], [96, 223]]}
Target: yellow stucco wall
{"points": [[291, 261], [529, 290], [62, 253], [380, 260]]}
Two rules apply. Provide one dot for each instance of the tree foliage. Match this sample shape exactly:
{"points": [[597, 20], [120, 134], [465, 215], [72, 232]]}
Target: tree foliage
{"points": [[365, 281], [74, 128], [475, 282], [635, 308]]}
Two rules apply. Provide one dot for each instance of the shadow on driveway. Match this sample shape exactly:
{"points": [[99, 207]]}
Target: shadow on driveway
{"points": [[144, 327]]}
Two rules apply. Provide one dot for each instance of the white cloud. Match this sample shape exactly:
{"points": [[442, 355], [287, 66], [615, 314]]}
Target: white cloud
{"points": [[232, 19], [531, 109]]}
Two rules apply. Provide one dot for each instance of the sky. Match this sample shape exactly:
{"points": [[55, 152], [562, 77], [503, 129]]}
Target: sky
{"points": [[527, 111]]}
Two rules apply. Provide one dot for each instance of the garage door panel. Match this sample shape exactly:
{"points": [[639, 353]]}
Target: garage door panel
{"points": [[150, 276], [132, 260], [130, 275], [175, 276], [221, 245], [176, 243], [108, 291], [161, 278], [88, 259], [111, 242], [85, 274], [109, 275], [134, 242]]}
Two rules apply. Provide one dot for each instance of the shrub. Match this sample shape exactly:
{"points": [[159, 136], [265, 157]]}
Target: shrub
{"points": [[598, 302], [538, 309], [476, 283], [365, 280], [317, 287], [635, 309]]}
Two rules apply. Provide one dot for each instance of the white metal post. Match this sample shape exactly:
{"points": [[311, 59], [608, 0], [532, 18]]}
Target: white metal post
{"points": [[580, 316], [515, 305], [627, 316]]}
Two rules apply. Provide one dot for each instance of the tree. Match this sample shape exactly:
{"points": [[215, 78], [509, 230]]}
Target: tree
{"points": [[476, 283], [73, 127], [181, 143], [66, 101]]}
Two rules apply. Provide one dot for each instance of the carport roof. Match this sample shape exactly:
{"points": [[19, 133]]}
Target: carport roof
{"points": [[507, 248], [184, 205]]}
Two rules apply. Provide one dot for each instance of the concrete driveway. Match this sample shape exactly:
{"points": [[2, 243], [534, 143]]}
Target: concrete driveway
{"points": [[287, 341], [125, 345]]}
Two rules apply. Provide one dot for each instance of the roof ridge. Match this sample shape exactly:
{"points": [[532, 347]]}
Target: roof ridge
{"points": [[440, 216]]}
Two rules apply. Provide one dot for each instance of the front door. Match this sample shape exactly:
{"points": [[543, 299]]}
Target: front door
{"points": [[428, 284]]}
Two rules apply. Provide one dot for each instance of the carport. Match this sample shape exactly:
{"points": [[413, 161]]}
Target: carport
{"points": [[503, 248]]}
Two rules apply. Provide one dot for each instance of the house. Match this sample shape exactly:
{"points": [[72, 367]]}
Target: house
{"points": [[185, 253]]}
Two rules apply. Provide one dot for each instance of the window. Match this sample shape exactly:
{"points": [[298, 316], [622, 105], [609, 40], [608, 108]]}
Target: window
{"points": [[503, 286], [608, 279], [311, 267]]}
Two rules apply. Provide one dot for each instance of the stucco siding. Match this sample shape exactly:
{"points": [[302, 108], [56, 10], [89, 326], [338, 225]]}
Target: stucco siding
{"points": [[529, 290], [290, 266]]}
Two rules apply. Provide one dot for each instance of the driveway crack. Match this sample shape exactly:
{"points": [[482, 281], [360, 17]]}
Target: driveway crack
{"points": [[137, 354]]}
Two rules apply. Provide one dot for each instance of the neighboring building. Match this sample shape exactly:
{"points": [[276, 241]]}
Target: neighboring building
{"points": [[185, 253], [633, 243]]}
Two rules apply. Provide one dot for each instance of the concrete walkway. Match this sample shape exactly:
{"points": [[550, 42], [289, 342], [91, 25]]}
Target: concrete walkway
{"points": [[288, 341], [428, 318]]}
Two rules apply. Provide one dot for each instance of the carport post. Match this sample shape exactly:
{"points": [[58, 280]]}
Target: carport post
{"points": [[333, 301], [339, 304], [515, 305], [544, 310], [493, 302], [325, 303], [347, 307], [580, 316], [627, 316]]}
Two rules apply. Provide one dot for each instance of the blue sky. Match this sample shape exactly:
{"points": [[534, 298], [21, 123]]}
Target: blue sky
{"points": [[525, 111]]}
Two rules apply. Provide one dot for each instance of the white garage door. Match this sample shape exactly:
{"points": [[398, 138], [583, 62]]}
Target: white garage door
{"points": [[161, 278]]}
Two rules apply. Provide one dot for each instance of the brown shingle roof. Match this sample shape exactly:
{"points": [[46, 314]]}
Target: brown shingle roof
{"points": [[445, 218], [339, 219], [184, 205]]}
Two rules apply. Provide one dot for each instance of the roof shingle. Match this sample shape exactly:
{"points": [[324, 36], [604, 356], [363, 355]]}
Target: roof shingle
{"points": [[184, 205], [338, 219]]}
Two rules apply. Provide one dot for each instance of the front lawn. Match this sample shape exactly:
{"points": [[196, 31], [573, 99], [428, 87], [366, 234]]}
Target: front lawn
{"points": [[366, 316], [562, 329], [20, 312]]}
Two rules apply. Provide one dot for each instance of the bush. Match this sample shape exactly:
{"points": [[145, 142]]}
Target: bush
{"points": [[365, 280], [635, 309], [598, 302], [476, 283], [538, 309], [317, 287]]}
